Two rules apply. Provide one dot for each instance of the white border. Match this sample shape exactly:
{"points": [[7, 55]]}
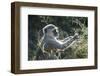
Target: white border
{"points": [[25, 64]]}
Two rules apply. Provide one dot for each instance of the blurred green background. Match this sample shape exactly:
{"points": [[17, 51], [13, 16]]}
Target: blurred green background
{"points": [[67, 25]]}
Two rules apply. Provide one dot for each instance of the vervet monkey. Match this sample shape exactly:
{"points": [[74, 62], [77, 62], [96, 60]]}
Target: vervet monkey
{"points": [[51, 43], [50, 39]]}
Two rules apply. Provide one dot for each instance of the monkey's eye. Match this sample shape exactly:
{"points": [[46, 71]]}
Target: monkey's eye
{"points": [[54, 31]]}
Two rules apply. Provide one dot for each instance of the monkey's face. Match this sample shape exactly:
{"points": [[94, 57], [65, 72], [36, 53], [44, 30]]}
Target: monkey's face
{"points": [[51, 30], [55, 32]]}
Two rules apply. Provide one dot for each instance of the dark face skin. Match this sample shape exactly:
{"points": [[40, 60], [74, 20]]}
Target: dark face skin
{"points": [[55, 32]]}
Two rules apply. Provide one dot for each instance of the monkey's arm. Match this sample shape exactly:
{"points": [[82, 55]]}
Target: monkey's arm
{"points": [[66, 39], [57, 44], [53, 44]]}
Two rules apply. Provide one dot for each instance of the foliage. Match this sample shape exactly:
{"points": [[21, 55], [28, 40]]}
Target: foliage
{"points": [[67, 25]]}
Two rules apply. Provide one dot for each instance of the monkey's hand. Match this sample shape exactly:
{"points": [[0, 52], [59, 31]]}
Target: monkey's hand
{"points": [[76, 36]]}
